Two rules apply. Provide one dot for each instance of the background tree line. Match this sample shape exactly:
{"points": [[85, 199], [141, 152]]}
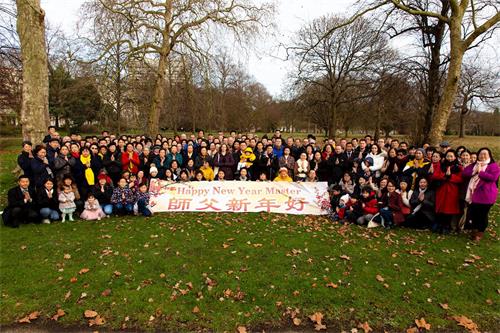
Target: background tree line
{"points": [[151, 65]]}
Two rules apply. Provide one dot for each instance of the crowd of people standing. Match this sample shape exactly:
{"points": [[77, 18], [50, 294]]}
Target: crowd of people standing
{"points": [[387, 182]]}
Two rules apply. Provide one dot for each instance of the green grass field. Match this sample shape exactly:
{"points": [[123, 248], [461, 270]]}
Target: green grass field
{"points": [[218, 272]]}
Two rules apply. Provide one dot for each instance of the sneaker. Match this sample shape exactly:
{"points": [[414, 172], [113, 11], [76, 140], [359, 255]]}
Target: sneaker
{"points": [[46, 221]]}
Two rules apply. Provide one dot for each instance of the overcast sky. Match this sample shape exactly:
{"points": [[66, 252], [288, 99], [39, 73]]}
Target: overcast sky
{"points": [[265, 62]]}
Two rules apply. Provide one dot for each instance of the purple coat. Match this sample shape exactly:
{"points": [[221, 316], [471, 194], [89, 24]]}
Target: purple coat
{"points": [[487, 190]]}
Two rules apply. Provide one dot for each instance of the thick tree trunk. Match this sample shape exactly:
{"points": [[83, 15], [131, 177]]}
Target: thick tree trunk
{"points": [[158, 95], [159, 88], [433, 78], [441, 115], [35, 91], [118, 87]]}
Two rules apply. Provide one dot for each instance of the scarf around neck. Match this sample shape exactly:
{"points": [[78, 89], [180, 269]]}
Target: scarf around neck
{"points": [[89, 174]]}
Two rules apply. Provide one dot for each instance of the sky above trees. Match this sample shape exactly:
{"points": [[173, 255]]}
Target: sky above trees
{"points": [[266, 59]]}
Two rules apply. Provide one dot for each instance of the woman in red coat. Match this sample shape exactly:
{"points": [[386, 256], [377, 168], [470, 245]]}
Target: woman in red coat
{"points": [[130, 160], [448, 178]]}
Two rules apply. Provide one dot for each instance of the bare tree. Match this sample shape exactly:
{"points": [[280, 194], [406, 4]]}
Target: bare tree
{"points": [[477, 85], [338, 62], [468, 21], [160, 27], [35, 91]]}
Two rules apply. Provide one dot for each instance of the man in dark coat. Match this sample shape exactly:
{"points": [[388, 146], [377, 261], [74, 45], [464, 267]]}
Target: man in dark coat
{"points": [[52, 150], [21, 204], [24, 159]]}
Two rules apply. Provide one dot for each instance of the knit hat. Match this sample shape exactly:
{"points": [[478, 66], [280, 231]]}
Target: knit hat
{"points": [[102, 175], [369, 160], [422, 150], [153, 169], [444, 144]]}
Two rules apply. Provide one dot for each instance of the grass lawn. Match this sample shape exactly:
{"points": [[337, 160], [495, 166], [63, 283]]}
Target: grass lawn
{"points": [[220, 271]]}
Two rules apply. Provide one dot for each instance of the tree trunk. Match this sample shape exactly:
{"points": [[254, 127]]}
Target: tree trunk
{"points": [[35, 91], [463, 112], [461, 133], [441, 115], [158, 95], [376, 135], [433, 78], [332, 126], [159, 88], [118, 94]]}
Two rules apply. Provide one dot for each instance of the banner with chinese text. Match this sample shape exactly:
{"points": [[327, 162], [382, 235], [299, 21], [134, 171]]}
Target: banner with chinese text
{"points": [[236, 196]]}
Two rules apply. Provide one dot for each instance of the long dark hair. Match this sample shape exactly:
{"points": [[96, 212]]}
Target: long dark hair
{"points": [[489, 153], [454, 166]]}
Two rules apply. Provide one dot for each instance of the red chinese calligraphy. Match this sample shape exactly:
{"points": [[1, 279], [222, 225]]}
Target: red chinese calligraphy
{"points": [[209, 204], [179, 204], [236, 205], [296, 204], [267, 204]]}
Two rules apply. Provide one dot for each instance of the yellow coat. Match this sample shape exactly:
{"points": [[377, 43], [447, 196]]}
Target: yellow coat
{"points": [[287, 179], [208, 173]]}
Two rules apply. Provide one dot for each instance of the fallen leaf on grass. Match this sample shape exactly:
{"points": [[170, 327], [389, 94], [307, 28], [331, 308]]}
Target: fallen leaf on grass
{"points": [[90, 314], [60, 313], [106, 292], [116, 273], [332, 285], [27, 319], [365, 327], [67, 256], [98, 320], [241, 329], [467, 323], [444, 306], [196, 309], [422, 324], [316, 318], [224, 245], [296, 321], [83, 271], [379, 278], [412, 330], [345, 257], [67, 295], [73, 279], [319, 327]]}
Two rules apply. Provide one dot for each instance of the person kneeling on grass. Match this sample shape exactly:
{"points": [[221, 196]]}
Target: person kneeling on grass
{"points": [[93, 210], [20, 207], [283, 176], [369, 205], [47, 202], [123, 199], [142, 197], [67, 203]]}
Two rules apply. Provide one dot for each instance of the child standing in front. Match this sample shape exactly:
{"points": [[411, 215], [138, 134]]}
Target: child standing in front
{"points": [[67, 203]]}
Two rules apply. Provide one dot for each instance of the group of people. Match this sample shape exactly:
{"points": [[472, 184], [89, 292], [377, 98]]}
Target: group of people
{"points": [[387, 181]]}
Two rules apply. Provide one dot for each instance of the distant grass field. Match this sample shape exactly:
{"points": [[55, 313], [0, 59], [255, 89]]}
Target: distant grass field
{"points": [[220, 271]]}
